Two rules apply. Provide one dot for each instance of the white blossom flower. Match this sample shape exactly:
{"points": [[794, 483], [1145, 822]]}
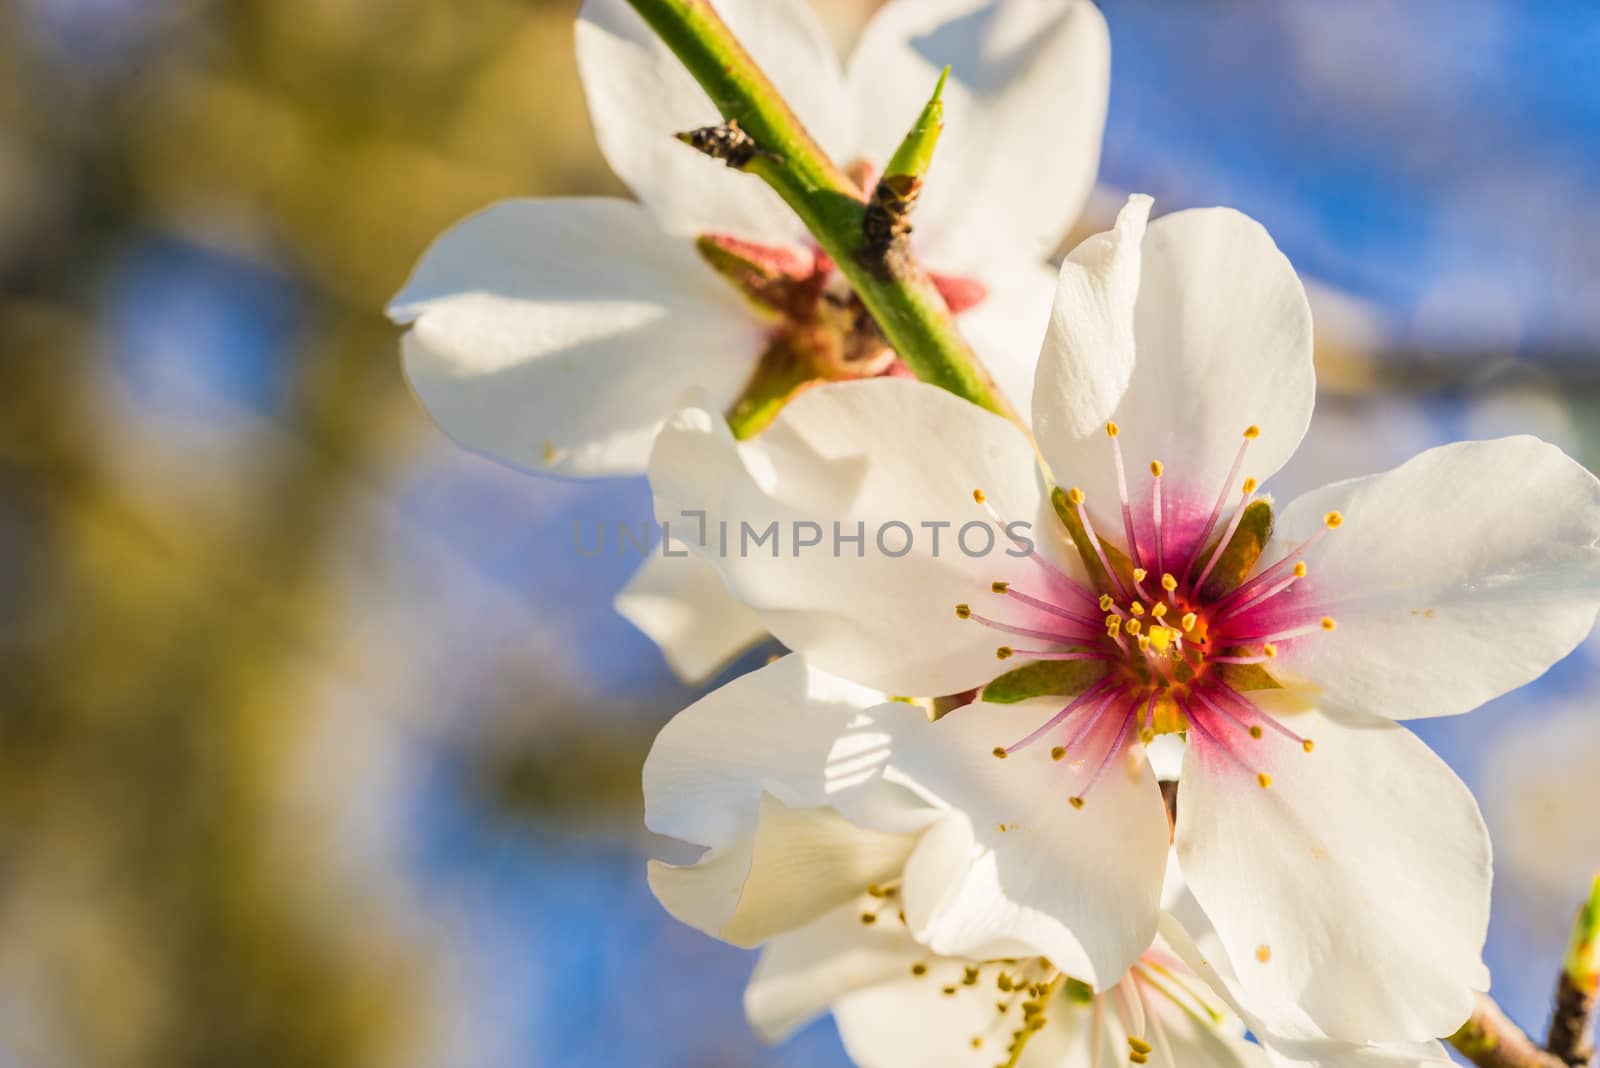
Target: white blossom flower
{"points": [[826, 844], [1345, 867], [555, 334]]}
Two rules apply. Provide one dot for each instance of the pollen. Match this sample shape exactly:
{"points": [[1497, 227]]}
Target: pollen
{"points": [[1075, 802], [1112, 430], [919, 969], [1263, 953], [1269, 650], [978, 496], [1250, 485], [1264, 780], [1328, 623], [1255, 732], [1332, 519], [1139, 1045], [963, 611], [1252, 432], [1132, 626], [1139, 573], [1161, 637], [1189, 620], [1144, 642], [1308, 745], [1136, 608], [1075, 496], [1300, 569], [1156, 468], [1000, 587], [1004, 652], [868, 919], [1107, 602], [1138, 1058], [1058, 752], [1169, 583], [1159, 611], [999, 752]]}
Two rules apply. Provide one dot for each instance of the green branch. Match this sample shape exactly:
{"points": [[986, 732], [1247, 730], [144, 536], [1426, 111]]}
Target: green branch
{"points": [[906, 306]]}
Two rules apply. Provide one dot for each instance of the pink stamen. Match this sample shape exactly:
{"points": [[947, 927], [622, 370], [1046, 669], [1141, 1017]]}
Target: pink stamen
{"points": [[1092, 694], [1118, 743], [1055, 610], [1293, 557], [1029, 632], [1270, 593], [1216, 509], [1222, 542], [1099, 550], [1046, 654], [1127, 508], [1257, 716], [1059, 575], [1155, 504]]}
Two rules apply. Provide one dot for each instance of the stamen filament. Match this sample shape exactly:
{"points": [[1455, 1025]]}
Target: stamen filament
{"points": [[1029, 632], [1227, 536], [1046, 606], [1092, 694], [1099, 550], [1222, 498]]}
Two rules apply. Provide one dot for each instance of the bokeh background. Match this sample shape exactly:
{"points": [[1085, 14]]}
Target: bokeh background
{"points": [[319, 744]]}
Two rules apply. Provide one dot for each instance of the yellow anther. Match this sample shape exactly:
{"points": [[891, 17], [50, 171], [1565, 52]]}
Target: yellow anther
{"points": [[969, 977], [963, 611], [868, 919], [1138, 1045], [1188, 621], [1075, 802], [949, 991], [1300, 569], [1112, 430], [1000, 587], [1136, 608], [977, 495], [1328, 623], [1144, 643], [1308, 745], [1139, 1058], [1113, 623], [1003, 981], [1003, 653], [1159, 611], [1270, 650], [1161, 638], [1132, 626], [977, 1041], [1250, 486], [1263, 953], [1252, 432], [1107, 602], [1169, 583], [1264, 779], [999, 752], [1055, 754], [1139, 573], [1156, 467], [1075, 495], [919, 969], [1332, 519], [1255, 732]]}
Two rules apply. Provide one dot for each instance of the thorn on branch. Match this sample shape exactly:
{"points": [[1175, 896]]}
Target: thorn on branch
{"points": [[728, 143], [888, 217]]}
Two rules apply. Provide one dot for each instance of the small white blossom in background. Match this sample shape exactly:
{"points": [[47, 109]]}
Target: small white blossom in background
{"points": [[1344, 867], [556, 334]]}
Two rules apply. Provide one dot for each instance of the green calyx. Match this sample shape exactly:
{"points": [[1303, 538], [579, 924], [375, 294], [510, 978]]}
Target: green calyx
{"points": [[1044, 678]]}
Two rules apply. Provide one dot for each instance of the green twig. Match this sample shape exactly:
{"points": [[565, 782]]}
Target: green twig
{"points": [[899, 295]]}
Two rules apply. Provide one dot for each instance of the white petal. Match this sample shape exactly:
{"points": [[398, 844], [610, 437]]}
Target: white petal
{"points": [[1360, 875], [1184, 334], [802, 973], [680, 602], [771, 731], [1015, 862], [556, 334], [640, 95], [1311, 1049], [862, 457], [1460, 575], [798, 864], [1008, 327], [1025, 106]]}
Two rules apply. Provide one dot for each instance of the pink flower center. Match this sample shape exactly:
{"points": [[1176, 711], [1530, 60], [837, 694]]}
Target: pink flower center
{"points": [[1179, 617]]}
